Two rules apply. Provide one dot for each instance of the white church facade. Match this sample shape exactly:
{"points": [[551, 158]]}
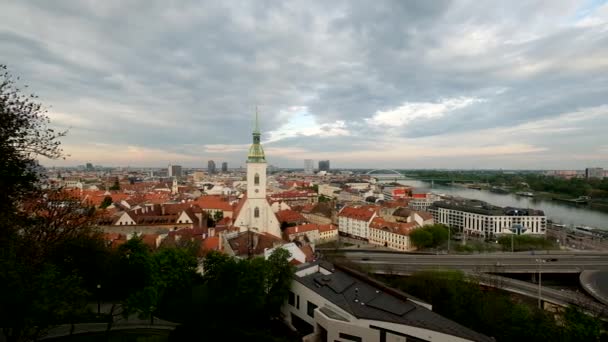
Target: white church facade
{"points": [[255, 213]]}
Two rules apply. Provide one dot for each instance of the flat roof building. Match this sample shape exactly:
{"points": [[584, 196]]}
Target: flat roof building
{"points": [[480, 218], [330, 303]]}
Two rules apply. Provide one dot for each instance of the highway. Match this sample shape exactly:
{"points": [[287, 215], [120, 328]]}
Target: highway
{"points": [[491, 263], [480, 266]]}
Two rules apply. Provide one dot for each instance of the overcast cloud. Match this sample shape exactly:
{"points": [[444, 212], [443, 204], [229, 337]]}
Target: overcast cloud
{"points": [[400, 84]]}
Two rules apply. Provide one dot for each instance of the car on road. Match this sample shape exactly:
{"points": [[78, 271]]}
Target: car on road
{"points": [[365, 259]]}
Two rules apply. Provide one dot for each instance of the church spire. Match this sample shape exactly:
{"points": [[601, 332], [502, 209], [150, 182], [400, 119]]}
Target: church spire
{"points": [[256, 152], [257, 126]]}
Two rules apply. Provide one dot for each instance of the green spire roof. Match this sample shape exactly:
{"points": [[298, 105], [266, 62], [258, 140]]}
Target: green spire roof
{"points": [[256, 152]]}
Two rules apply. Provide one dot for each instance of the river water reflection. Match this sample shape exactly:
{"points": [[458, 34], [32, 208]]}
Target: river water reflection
{"points": [[555, 211]]}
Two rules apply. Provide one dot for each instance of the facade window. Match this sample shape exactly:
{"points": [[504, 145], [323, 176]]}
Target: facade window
{"points": [[256, 179], [256, 212], [292, 298], [298, 302], [310, 309]]}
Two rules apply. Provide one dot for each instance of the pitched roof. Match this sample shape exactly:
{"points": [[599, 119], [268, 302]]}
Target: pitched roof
{"points": [[214, 202], [425, 215], [358, 213], [258, 242], [301, 229], [327, 227], [393, 227], [290, 216]]}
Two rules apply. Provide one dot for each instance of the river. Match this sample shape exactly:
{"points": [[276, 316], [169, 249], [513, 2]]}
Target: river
{"points": [[555, 211]]}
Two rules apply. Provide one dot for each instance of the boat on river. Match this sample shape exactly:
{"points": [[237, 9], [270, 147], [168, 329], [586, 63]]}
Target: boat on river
{"points": [[579, 200], [525, 194]]}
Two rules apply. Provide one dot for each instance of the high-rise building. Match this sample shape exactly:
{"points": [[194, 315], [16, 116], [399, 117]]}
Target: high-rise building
{"points": [[324, 165], [174, 170], [211, 167], [308, 166], [594, 172], [90, 167], [224, 167]]}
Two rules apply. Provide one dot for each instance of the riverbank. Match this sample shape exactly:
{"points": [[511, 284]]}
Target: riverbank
{"points": [[594, 204], [557, 211]]}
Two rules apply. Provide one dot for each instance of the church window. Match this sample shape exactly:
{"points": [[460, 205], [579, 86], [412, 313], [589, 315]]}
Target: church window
{"points": [[256, 212], [256, 179]]}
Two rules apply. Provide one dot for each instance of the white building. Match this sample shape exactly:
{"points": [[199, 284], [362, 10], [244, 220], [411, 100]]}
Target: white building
{"points": [[395, 235], [254, 212], [355, 221], [309, 166], [339, 305], [482, 219]]}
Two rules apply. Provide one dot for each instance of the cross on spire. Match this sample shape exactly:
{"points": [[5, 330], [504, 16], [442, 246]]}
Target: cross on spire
{"points": [[257, 126]]}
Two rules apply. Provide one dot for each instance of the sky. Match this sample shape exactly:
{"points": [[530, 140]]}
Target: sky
{"points": [[369, 84]]}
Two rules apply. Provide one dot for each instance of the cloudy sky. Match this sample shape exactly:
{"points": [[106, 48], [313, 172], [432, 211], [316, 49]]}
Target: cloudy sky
{"points": [[400, 84]]}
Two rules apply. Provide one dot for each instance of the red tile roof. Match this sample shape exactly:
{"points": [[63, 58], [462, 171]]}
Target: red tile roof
{"points": [[364, 213], [327, 227], [394, 227], [290, 216], [213, 202], [211, 244], [301, 229], [308, 252]]}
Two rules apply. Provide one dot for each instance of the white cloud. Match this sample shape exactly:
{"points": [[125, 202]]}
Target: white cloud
{"points": [[411, 111], [301, 123]]}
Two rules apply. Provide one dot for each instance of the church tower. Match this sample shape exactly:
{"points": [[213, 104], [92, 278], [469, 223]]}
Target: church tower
{"points": [[256, 182]]}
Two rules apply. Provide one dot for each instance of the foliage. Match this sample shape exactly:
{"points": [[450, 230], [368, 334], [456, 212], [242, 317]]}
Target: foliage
{"points": [[169, 269], [36, 298], [115, 186], [107, 201], [429, 236], [218, 215], [494, 313], [24, 135], [323, 198], [526, 243], [249, 291], [574, 187]]}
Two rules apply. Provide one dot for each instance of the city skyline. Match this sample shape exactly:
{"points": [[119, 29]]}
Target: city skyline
{"points": [[454, 85]]}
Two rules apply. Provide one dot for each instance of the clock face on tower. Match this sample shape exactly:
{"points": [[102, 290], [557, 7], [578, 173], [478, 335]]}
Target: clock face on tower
{"points": [[257, 190]]}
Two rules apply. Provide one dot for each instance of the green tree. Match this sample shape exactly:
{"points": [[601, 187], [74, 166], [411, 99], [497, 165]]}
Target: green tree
{"points": [[107, 201], [421, 238], [218, 215], [115, 186], [24, 135]]}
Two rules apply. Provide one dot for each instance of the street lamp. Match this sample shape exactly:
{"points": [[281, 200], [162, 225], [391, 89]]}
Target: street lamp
{"points": [[540, 263], [449, 237], [98, 299], [516, 229]]}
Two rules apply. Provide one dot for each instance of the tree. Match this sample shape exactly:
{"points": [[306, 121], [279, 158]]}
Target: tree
{"points": [[107, 201], [218, 215], [24, 135], [115, 186], [421, 238], [429, 236]]}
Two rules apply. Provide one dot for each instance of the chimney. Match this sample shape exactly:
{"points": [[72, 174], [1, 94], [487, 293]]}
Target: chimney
{"points": [[296, 229], [200, 219], [211, 231]]}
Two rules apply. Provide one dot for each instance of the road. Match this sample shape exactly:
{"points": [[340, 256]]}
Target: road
{"points": [[493, 263], [482, 265]]}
